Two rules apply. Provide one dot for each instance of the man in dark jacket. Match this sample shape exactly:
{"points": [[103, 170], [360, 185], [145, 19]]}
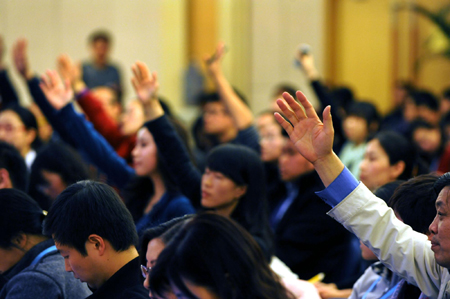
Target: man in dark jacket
{"points": [[95, 233], [306, 239]]}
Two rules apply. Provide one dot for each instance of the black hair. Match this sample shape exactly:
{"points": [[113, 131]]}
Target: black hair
{"points": [[386, 191], [19, 213], [398, 148], [86, 208], [162, 231], [424, 98], [212, 97], [285, 87], [446, 93], [216, 253], [414, 202], [365, 110], [100, 35], [342, 96], [58, 158], [138, 191], [28, 119], [442, 182], [13, 162]]}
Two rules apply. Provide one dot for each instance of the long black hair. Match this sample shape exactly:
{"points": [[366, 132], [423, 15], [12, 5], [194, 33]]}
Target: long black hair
{"points": [[215, 252]]}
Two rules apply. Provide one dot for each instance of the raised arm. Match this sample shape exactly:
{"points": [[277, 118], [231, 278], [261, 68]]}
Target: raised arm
{"points": [[240, 112], [100, 153], [312, 138], [171, 149], [7, 92]]}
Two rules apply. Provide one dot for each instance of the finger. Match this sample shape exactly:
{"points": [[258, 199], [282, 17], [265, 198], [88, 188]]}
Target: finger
{"points": [[294, 106], [136, 72], [284, 123], [327, 120], [309, 109], [55, 79], [287, 111], [155, 77], [135, 83], [45, 82], [143, 69]]}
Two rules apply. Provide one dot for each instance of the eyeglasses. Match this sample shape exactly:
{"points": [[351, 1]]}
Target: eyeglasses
{"points": [[145, 271]]}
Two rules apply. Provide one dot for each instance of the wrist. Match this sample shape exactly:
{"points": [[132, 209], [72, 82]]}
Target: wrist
{"points": [[28, 75]]}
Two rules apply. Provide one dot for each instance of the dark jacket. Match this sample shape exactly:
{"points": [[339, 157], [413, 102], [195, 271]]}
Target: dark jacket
{"points": [[309, 241], [46, 279], [124, 284]]}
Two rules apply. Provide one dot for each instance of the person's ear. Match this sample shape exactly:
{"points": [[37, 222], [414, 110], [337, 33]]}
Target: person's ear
{"points": [[31, 135], [20, 240], [397, 169], [240, 191], [97, 243], [5, 180]]}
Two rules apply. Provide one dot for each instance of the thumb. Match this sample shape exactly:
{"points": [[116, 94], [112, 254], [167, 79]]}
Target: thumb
{"points": [[327, 120]]}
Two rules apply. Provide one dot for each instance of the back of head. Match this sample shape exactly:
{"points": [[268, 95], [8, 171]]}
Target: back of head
{"points": [[386, 191], [398, 148], [13, 162], [426, 99], [244, 167], [414, 202], [342, 96], [19, 214], [236, 269], [86, 208]]}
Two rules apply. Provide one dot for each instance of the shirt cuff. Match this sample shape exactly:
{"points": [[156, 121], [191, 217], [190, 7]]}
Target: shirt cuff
{"points": [[339, 189]]}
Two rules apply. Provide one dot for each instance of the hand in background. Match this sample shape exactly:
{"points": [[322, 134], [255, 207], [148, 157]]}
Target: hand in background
{"points": [[58, 94]]}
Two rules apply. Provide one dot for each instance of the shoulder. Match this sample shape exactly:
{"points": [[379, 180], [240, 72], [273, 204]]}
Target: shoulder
{"points": [[179, 202]]}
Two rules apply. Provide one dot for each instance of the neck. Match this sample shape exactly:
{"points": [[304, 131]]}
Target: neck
{"points": [[159, 188], [25, 151], [114, 261], [228, 135], [33, 240]]}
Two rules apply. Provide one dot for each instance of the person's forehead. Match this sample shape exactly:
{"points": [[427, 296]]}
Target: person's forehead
{"points": [[443, 197]]}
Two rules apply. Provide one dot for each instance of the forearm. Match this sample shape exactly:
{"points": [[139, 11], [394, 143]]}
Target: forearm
{"points": [[7, 91], [241, 113]]}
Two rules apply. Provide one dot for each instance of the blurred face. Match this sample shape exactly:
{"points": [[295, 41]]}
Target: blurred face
{"points": [[109, 101], [355, 129], [375, 167], [440, 227], [84, 268], [216, 118], [145, 154], [291, 163], [428, 140], [100, 50], [13, 131], [444, 107], [410, 111], [132, 119], [219, 192], [155, 246], [55, 184], [199, 291], [9, 257], [271, 139]]}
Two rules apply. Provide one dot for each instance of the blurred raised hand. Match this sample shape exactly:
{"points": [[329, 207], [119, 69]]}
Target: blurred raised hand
{"points": [[20, 58], [58, 93]]}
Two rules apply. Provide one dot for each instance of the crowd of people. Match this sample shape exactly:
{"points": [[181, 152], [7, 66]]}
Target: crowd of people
{"points": [[119, 192]]}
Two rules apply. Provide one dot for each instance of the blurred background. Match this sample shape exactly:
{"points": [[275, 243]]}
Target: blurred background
{"points": [[364, 44]]}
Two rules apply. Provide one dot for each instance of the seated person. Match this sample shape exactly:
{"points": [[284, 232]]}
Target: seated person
{"points": [[30, 265], [404, 251], [95, 233]]}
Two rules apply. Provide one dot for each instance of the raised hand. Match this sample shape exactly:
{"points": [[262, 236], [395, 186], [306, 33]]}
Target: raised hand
{"points": [[58, 94], [146, 86], [312, 137], [213, 62], [68, 70], [20, 58]]}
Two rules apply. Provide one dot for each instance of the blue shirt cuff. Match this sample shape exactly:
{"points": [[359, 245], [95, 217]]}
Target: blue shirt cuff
{"points": [[339, 189]]}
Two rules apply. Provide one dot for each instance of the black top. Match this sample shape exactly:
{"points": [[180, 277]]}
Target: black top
{"points": [[124, 284]]}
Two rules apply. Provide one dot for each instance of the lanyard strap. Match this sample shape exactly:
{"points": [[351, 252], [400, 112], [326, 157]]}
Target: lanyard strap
{"points": [[385, 296], [41, 255]]}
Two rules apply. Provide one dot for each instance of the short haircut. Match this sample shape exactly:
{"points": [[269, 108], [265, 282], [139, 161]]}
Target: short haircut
{"points": [[100, 35], [13, 162], [424, 98], [414, 202], [285, 87], [86, 208], [364, 110], [19, 214], [441, 183]]}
